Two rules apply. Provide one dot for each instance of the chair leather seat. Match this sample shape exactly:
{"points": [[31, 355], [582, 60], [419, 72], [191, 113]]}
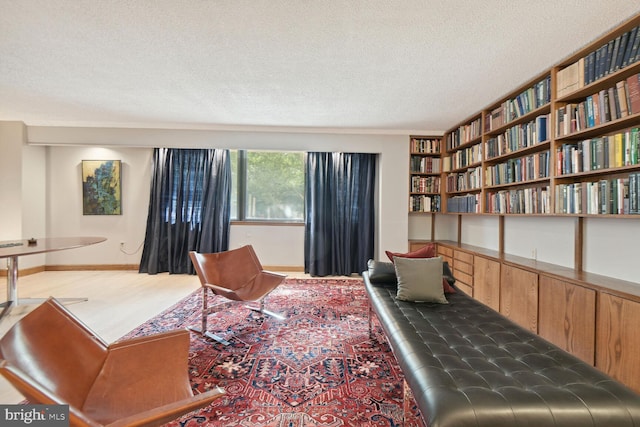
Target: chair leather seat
{"points": [[467, 365]]}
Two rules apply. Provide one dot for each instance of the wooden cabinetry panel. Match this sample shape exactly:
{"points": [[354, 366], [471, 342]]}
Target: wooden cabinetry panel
{"points": [[486, 282], [618, 341], [519, 296], [464, 288], [463, 256], [446, 254], [463, 270], [568, 317], [414, 246]]}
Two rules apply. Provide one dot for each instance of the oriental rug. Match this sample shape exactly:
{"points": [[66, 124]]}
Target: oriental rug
{"points": [[319, 367]]}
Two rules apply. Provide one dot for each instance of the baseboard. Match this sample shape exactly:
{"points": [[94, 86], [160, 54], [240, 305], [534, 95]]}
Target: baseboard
{"points": [[114, 267], [91, 267], [283, 268]]}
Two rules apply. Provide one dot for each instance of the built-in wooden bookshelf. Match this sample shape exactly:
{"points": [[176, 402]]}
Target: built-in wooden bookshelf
{"points": [[425, 170], [567, 142], [462, 167]]}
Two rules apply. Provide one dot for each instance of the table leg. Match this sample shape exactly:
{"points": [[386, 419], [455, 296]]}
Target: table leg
{"points": [[12, 291], [12, 286]]}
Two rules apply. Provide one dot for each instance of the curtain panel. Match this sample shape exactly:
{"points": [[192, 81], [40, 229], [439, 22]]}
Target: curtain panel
{"points": [[339, 213], [189, 208]]}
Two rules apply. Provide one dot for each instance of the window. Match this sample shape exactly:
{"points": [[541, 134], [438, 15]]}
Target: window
{"points": [[267, 185]]}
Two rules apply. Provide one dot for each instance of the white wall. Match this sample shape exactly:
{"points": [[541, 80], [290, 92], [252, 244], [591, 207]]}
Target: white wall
{"points": [[275, 245], [12, 136], [64, 205]]}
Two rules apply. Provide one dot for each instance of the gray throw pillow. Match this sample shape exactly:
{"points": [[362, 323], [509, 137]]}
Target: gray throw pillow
{"points": [[420, 279]]}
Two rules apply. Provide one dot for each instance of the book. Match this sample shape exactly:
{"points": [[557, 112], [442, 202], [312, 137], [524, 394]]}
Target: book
{"points": [[634, 55], [633, 89], [622, 98], [614, 55], [629, 47]]}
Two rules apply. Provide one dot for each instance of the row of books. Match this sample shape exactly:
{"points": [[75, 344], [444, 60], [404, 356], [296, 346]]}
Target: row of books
{"points": [[420, 164], [469, 203], [605, 152], [531, 99], [424, 204], [463, 158], [518, 137], [522, 169], [425, 184], [613, 103], [464, 181], [617, 196], [533, 200], [465, 133], [618, 53], [425, 145]]}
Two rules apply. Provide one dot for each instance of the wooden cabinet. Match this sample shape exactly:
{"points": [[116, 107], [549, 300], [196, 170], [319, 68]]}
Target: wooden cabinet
{"points": [[463, 270], [486, 281], [595, 318], [618, 341], [519, 296], [567, 317], [446, 254]]}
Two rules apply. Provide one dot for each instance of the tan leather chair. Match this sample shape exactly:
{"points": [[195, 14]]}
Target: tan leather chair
{"points": [[236, 275], [51, 357]]}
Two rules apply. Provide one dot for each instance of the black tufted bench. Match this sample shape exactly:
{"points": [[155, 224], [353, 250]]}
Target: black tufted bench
{"points": [[467, 365]]}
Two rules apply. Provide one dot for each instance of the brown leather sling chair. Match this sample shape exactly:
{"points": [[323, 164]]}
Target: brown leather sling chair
{"points": [[52, 358], [237, 275]]}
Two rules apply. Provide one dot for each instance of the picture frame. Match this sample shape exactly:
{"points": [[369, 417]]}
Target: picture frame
{"points": [[101, 187]]}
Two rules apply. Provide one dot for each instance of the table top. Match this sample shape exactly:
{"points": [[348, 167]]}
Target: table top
{"points": [[13, 248]]}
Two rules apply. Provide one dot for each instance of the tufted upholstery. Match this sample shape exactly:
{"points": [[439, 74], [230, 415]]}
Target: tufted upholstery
{"points": [[467, 365]]}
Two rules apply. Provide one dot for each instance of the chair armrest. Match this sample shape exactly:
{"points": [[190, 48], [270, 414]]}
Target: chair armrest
{"points": [[169, 412], [219, 289]]}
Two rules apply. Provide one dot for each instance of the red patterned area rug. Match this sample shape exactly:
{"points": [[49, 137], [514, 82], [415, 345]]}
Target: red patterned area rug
{"points": [[318, 367]]}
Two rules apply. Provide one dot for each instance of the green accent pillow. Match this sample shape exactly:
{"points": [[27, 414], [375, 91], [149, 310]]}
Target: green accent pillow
{"points": [[420, 279]]}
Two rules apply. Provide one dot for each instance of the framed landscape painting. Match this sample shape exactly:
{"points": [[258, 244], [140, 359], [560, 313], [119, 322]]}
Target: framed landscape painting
{"points": [[101, 187]]}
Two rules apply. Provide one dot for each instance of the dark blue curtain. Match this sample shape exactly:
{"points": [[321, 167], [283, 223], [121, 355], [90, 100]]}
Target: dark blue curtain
{"points": [[189, 208], [339, 213]]}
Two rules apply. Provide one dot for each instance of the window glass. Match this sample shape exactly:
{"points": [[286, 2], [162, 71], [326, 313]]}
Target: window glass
{"points": [[274, 186]]}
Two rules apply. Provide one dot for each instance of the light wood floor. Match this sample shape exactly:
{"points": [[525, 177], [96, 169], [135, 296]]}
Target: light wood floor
{"points": [[118, 301]]}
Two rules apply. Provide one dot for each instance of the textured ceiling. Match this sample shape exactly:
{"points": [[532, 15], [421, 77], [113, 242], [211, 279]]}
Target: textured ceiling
{"points": [[340, 65]]}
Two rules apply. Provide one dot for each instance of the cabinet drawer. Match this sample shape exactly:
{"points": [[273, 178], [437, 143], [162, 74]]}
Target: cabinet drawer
{"points": [[463, 266], [445, 251], [447, 259], [463, 277], [464, 288], [463, 256]]}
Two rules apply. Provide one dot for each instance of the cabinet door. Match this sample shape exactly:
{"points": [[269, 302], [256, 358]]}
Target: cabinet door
{"points": [[486, 282], [617, 339], [568, 317], [519, 296]]}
